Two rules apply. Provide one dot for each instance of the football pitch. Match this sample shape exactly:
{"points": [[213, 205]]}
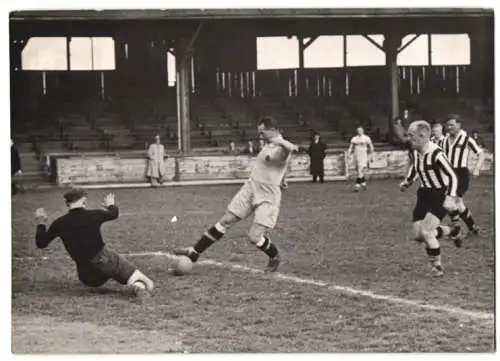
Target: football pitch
{"points": [[352, 279]]}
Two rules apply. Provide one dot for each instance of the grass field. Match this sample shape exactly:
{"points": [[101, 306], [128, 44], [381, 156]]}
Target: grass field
{"points": [[352, 279]]}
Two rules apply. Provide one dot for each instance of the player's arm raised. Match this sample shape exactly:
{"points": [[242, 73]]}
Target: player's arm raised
{"points": [[111, 211], [285, 144], [44, 236], [284, 150], [472, 144]]}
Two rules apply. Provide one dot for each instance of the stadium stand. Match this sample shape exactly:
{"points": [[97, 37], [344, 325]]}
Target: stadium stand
{"points": [[128, 124]]}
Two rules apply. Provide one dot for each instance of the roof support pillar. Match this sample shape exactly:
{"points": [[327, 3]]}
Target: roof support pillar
{"points": [[183, 67], [392, 43], [300, 72]]}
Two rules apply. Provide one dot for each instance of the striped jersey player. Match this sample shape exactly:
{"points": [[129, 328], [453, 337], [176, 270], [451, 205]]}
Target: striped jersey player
{"points": [[437, 135], [437, 192], [260, 195], [457, 144]]}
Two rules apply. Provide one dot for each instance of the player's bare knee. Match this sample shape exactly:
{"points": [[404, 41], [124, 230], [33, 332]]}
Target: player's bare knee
{"points": [[461, 205], [417, 232], [256, 233], [228, 220], [428, 234], [428, 229]]}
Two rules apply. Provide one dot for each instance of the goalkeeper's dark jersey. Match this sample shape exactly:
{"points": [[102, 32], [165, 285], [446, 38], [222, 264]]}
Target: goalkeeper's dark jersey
{"points": [[80, 231]]}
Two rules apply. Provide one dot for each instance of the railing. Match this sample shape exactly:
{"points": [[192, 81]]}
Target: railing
{"points": [[359, 82]]}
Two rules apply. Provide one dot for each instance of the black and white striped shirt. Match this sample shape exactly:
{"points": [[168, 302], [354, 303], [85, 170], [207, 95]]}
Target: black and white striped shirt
{"points": [[457, 150], [433, 169], [439, 141]]}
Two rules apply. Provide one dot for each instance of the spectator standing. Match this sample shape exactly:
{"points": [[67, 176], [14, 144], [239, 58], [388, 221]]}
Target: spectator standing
{"points": [[317, 153], [156, 154]]}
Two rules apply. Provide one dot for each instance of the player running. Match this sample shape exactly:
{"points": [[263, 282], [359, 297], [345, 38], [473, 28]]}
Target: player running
{"points": [[436, 195], [260, 195], [362, 147], [80, 232], [456, 146]]}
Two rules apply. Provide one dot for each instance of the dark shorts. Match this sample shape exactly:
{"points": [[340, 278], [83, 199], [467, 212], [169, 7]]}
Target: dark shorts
{"points": [[463, 181], [429, 201], [105, 265]]}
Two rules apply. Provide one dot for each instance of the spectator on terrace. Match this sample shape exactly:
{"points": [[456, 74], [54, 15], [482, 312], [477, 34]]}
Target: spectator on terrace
{"points": [[168, 131], [405, 119], [232, 149], [202, 128], [243, 134], [156, 154], [260, 145], [250, 149], [302, 122], [106, 139]]}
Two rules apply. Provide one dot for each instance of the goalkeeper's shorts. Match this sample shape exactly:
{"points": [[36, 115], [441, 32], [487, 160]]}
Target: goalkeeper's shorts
{"points": [[105, 265]]}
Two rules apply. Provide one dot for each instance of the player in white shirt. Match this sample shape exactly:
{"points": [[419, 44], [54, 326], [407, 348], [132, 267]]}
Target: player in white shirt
{"points": [[260, 195], [362, 148]]}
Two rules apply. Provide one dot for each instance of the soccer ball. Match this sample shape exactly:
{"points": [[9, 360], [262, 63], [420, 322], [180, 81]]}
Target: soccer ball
{"points": [[183, 265]]}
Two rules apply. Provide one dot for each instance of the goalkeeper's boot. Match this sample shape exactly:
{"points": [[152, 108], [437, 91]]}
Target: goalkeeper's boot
{"points": [[188, 252], [141, 291]]}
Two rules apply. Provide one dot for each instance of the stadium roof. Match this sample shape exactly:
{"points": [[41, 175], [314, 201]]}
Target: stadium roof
{"points": [[179, 14]]}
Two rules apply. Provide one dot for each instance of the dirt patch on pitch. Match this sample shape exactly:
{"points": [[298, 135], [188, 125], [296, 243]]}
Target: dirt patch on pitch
{"points": [[42, 334]]}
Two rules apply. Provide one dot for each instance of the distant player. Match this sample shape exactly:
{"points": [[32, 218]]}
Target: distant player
{"points": [[456, 146], [437, 135], [437, 192], [80, 232], [362, 147], [260, 195]]}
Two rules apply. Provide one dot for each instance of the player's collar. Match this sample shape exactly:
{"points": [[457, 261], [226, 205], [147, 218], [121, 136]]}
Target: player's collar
{"points": [[430, 147], [76, 209], [460, 133]]}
